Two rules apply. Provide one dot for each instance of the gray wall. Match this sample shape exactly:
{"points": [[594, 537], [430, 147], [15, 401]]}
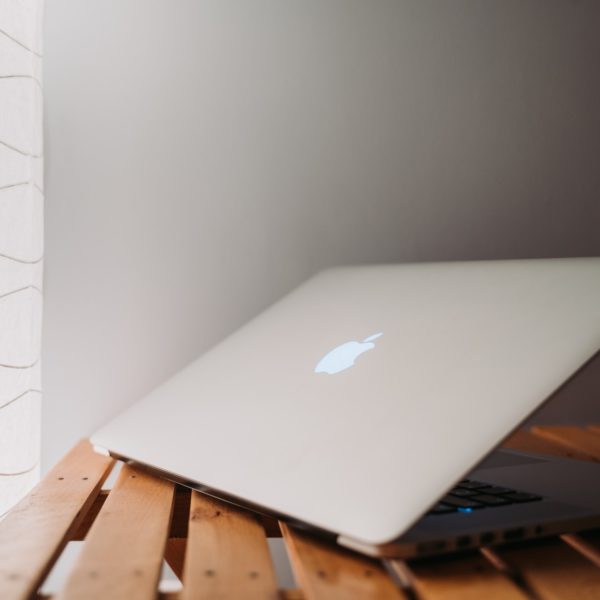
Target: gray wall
{"points": [[203, 157]]}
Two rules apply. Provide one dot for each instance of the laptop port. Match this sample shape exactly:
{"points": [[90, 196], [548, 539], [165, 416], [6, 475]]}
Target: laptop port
{"points": [[514, 534], [487, 538], [431, 547]]}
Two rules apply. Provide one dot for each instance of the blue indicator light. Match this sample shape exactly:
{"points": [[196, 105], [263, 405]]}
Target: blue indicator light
{"points": [[467, 510]]}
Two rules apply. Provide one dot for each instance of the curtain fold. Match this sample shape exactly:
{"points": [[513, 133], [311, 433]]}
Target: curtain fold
{"points": [[21, 246]]}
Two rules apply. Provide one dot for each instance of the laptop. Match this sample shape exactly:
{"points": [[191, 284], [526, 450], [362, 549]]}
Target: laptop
{"points": [[362, 404]]}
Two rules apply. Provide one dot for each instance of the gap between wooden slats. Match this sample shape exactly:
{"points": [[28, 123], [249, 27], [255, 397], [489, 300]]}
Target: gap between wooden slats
{"points": [[123, 552], [175, 555], [34, 533], [227, 555], [434, 580], [587, 543], [179, 519]]}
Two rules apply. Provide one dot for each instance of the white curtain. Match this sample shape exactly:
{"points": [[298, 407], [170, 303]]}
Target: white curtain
{"points": [[21, 246]]}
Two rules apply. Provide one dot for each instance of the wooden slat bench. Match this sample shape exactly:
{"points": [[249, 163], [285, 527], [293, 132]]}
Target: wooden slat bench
{"points": [[219, 551]]}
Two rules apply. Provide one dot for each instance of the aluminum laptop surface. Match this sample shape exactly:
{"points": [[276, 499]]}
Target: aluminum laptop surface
{"points": [[357, 400], [510, 496]]}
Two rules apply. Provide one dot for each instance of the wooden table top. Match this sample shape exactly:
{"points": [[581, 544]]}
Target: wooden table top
{"points": [[219, 551]]}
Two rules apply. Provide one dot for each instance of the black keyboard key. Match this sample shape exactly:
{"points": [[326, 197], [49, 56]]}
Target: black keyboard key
{"points": [[461, 502], [491, 500], [495, 489], [469, 495], [521, 497], [472, 485]]}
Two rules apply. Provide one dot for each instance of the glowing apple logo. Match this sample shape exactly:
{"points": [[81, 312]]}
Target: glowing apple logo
{"points": [[342, 357]]}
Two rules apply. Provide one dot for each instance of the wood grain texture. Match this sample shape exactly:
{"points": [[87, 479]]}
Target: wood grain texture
{"points": [[34, 533], [554, 571], [179, 518], [122, 556], [291, 594], [469, 577], [227, 554], [583, 441], [326, 571]]}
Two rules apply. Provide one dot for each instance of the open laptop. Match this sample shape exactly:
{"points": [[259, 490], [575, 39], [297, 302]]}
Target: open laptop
{"points": [[361, 402]]}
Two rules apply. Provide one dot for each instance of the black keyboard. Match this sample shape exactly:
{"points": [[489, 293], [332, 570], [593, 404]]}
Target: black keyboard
{"points": [[471, 495]]}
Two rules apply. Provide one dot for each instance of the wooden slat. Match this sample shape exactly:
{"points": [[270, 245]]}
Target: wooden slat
{"points": [[595, 428], [526, 441], [122, 555], [469, 577], [179, 518], [586, 543], [227, 554], [34, 532], [181, 512], [326, 571], [574, 438], [291, 594], [554, 571]]}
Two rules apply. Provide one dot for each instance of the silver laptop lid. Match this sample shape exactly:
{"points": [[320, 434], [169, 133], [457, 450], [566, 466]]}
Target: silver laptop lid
{"points": [[358, 399]]}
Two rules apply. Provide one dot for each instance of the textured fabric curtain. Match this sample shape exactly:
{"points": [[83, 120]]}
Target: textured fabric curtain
{"points": [[21, 246]]}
